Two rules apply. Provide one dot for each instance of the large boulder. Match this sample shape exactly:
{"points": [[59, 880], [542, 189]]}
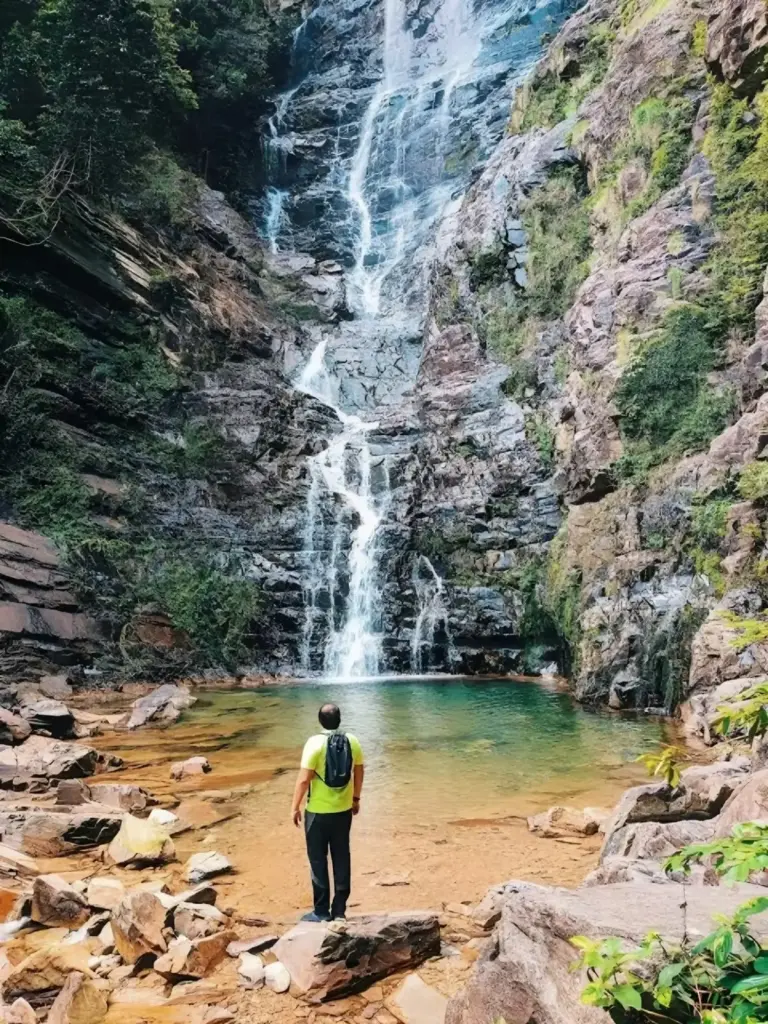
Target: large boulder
{"points": [[137, 925], [162, 706], [58, 831], [43, 758], [326, 962], [748, 803], [655, 840], [702, 792], [527, 975], [58, 904]]}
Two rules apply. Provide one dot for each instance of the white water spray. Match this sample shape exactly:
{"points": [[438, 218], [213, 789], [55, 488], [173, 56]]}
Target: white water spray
{"points": [[343, 472]]}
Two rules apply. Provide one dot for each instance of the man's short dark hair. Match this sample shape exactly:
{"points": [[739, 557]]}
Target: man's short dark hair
{"points": [[330, 716]]}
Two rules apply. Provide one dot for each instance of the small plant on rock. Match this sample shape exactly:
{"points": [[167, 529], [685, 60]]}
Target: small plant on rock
{"points": [[664, 763], [721, 980], [733, 857], [747, 716]]}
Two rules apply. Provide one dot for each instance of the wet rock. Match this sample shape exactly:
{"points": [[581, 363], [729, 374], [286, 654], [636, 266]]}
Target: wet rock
{"points": [[187, 958], [79, 1002], [58, 832], [415, 1002], [13, 728], [329, 962], [196, 920], [714, 655], [55, 903], [250, 970], [530, 977], [206, 865], [137, 925], [258, 944], [46, 970], [104, 893], [43, 758], [140, 843], [163, 705], [277, 977], [567, 821], [192, 766]]}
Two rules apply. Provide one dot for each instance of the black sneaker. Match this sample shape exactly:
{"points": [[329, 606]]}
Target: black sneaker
{"points": [[316, 918]]}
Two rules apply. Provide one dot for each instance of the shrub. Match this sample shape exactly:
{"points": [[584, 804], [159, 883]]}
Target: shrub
{"points": [[753, 481], [542, 436], [734, 857], [665, 764], [708, 522]]}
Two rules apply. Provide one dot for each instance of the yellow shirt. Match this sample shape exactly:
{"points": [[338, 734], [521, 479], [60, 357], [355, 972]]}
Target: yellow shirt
{"points": [[322, 799]]}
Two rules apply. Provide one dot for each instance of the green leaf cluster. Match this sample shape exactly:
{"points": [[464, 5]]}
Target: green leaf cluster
{"points": [[747, 715], [733, 857], [664, 763], [723, 979]]}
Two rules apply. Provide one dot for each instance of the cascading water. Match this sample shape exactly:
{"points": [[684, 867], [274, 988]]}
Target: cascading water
{"points": [[368, 184], [343, 471]]}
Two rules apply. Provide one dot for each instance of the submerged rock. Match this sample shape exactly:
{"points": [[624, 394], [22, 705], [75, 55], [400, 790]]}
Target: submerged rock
{"points": [[326, 962]]}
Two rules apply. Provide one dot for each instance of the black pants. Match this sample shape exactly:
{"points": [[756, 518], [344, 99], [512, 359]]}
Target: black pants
{"points": [[329, 832]]}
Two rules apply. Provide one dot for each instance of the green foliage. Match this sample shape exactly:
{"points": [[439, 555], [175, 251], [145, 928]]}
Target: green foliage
{"points": [[709, 564], [556, 222], [708, 522], [214, 607], [666, 405], [734, 857], [562, 366], [723, 979], [660, 137], [753, 481], [737, 147], [748, 631], [664, 763], [542, 435], [746, 715], [551, 98], [699, 38], [96, 89]]}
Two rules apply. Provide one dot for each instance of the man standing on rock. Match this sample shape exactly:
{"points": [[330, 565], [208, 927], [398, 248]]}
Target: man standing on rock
{"points": [[332, 774]]}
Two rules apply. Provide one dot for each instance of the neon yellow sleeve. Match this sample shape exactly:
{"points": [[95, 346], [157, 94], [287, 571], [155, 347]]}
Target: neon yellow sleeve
{"points": [[357, 750], [310, 752]]}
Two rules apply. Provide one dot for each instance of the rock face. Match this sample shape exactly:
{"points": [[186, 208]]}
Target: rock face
{"points": [[326, 963], [527, 975]]}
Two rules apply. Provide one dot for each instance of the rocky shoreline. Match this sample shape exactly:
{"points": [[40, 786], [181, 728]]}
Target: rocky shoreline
{"points": [[134, 934]]}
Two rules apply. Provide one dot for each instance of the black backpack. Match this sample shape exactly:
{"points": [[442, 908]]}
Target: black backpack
{"points": [[338, 761]]}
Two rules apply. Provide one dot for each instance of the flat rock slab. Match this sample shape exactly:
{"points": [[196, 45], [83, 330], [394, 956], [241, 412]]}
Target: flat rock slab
{"points": [[531, 979], [40, 757], [415, 1002], [56, 831], [162, 706], [329, 961]]}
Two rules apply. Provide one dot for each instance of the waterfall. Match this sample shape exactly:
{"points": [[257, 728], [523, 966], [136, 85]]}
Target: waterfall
{"points": [[432, 615], [342, 474]]}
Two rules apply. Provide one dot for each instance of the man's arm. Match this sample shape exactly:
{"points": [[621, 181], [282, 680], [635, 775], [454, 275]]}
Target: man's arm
{"points": [[359, 777], [303, 781]]}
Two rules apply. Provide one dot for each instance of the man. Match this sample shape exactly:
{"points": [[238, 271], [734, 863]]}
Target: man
{"points": [[332, 774]]}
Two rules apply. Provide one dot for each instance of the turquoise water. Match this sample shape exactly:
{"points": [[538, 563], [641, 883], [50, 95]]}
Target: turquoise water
{"points": [[452, 747]]}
